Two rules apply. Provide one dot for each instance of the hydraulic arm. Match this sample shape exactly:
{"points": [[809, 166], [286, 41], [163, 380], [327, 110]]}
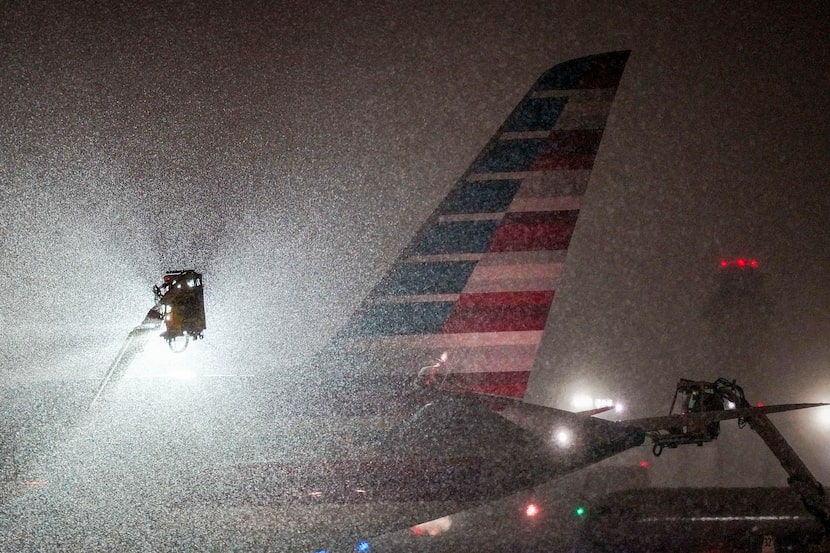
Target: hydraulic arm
{"points": [[799, 477], [695, 397]]}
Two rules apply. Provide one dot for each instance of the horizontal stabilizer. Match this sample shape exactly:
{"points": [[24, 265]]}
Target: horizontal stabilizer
{"points": [[653, 424], [597, 411]]}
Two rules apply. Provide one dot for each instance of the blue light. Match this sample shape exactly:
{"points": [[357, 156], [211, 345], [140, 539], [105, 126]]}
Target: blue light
{"points": [[322, 551], [362, 547]]}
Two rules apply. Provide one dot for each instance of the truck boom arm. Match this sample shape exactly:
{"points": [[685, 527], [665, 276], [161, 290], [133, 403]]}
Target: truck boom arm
{"points": [[799, 477]]}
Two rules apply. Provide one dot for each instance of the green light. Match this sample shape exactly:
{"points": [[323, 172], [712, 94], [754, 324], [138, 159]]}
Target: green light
{"points": [[580, 511]]}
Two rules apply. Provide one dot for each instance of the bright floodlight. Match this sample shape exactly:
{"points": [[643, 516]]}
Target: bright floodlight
{"points": [[822, 416], [582, 402], [563, 437], [157, 361], [585, 402]]}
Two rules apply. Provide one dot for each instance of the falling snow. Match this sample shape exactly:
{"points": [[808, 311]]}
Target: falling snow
{"points": [[289, 151]]}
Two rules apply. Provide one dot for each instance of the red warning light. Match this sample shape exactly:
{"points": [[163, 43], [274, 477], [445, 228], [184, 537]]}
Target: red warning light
{"points": [[740, 263], [532, 510], [760, 404], [644, 464]]}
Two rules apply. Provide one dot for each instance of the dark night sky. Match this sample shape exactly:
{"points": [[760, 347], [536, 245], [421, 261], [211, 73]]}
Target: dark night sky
{"points": [[291, 151]]}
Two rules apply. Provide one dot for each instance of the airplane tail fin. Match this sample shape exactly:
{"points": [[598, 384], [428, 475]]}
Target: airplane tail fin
{"points": [[476, 284]]}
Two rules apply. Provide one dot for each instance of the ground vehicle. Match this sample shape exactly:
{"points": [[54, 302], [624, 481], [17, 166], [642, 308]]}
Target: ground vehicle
{"points": [[694, 397], [180, 303], [716, 397]]}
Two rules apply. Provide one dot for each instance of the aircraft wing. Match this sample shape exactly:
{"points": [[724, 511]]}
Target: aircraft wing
{"points": [[654, 424], [478, 280]]}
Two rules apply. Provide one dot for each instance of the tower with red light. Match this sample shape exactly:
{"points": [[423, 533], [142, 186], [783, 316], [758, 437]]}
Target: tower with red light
{"points": [[740, 285], [739, 312]]}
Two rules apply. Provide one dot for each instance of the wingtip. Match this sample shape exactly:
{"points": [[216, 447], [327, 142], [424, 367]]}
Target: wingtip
{"points": [[660, 423], [786, 407]]}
